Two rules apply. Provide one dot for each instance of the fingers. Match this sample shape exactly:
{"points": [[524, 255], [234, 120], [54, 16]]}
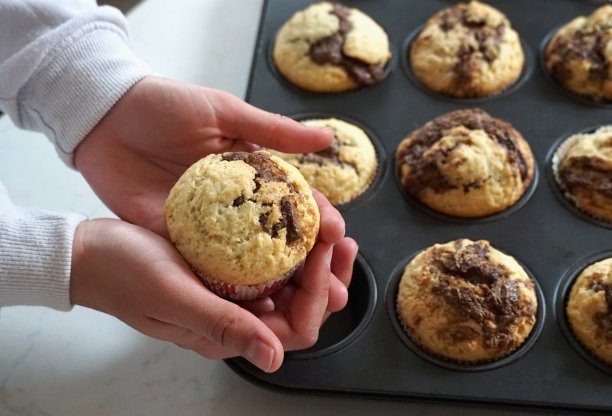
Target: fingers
{"points": [[238, 120], [332, 224], [226, 325], [298, 326], [342, 268]]}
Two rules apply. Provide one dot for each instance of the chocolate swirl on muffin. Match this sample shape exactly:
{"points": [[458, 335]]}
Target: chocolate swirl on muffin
{"points": [[467, 50], [465, 163], [466, 301], [579, 56]]}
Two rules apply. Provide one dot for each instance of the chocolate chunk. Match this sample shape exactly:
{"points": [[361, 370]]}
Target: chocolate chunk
{"points": [[329, 50], [331, 155], [587, 44], [603, 320], [491, 298], [581, 173], [267, 171], [425, 172]]}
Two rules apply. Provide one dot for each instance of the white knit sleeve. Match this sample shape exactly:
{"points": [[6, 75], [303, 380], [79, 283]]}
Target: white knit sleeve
{"points": [[35, 255], [63, 65]]}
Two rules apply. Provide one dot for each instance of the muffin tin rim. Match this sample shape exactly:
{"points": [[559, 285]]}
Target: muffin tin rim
{"points": [[358, 329], [391, 297], [560, 299]]}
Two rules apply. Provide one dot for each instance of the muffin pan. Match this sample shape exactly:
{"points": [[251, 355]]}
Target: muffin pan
{"points": [[362, 350]]}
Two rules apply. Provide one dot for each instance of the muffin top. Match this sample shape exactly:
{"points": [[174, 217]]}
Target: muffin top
{"points": [[329, 47], [344, 170], [467, 50], [579, 56], [466, 301], [242, 218], [583, 167], [589, 309], [465, 163]]}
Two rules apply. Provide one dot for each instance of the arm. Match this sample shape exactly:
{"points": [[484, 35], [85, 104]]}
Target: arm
{"points": [[63, 65]]}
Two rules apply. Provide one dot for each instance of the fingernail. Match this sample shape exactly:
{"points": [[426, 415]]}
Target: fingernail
{"points": [[260, 354]]}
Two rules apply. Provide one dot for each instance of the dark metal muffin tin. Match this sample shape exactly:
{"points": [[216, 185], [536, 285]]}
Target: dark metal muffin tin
{"points": [[362, 350]]}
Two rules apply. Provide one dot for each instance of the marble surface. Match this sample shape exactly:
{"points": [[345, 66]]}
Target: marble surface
{"points": [[87, 363]]}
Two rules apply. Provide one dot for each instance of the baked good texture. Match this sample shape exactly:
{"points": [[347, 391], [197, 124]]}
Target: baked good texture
{"points": [[328, 47], [579, 55], [467, 302], [467, 50], [344, 170], [589, 309], [243, 221], [466, 164], [583, 169]]}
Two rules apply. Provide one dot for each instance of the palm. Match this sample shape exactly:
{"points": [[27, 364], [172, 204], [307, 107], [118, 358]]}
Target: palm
{"points": [[159, 128]]}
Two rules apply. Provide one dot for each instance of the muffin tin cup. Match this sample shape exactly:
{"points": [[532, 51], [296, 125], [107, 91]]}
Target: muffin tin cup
{"points": [[381, 156], [344, 327], [414, 201], [561, 298], [407, 69], [554, 184], [555, 84], [391, 296]]}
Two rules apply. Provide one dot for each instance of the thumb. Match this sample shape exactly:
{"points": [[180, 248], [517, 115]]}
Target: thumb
{"points": [[238, 120], [232, 328]]}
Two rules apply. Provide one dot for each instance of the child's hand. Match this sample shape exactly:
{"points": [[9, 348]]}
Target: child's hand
{"points": [[139, 277]]}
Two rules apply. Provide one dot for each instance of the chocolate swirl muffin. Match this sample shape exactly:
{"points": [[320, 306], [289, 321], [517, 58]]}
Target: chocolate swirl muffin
{"points": [[328, 47], [583, 169], [468, 50], [579, 55], [589, 309], [467, 302], [344, 170], [243, 221], [466, 164]]}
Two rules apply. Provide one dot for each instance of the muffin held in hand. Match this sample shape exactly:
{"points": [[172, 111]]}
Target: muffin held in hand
{"points": [[344, 170], [579, 56], [329, 47], [467, 302], [243, 221], [466, 164], [589, 309], [583, 169], [466, 51]]}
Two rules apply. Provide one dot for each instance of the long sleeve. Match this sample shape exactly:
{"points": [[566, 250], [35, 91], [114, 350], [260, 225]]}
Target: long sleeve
{"points": [[35, 255], [63, 65]]}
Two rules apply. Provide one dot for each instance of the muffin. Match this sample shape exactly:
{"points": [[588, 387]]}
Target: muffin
{"points": [[589, 309], [329, 47], [344, 170], [243, 221], [466, 164], [583, 169], [467, 50], [579, 55], [466, 302]]}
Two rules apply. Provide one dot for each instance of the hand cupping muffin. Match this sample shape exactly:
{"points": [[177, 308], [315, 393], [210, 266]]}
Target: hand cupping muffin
{"points": [[583, 169], [243, 221], [466, 164], [589, 309], [329, 47], [344, 170], [579, 56], [467, 302], [466, 51]]}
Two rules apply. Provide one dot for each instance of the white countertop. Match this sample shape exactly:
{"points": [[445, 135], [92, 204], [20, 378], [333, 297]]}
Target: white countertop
{"points": [[88, 363]]}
